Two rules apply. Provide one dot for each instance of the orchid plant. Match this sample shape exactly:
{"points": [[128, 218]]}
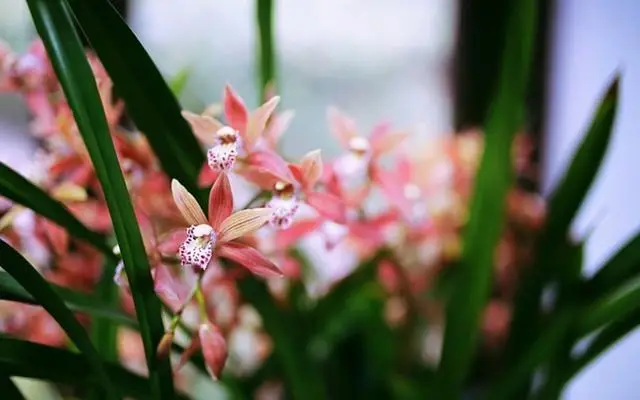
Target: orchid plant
{"points": [[128, 245]]}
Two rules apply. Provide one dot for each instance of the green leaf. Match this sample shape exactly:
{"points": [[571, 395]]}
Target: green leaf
{"points": [[55, 26], [486, 219], [18, 267], [287, 334], [104, 332], [622, 267], [537, 352], [178, 82], [614, 307], [149, 100], [11, 290], [563, 206], [9, 389], [18, 189], [62, 366], [266, 48]]}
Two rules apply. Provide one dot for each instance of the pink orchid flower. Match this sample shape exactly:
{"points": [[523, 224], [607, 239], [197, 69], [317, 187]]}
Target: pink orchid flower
{"points": [[217, 234], [237, 141], [352, 171]]}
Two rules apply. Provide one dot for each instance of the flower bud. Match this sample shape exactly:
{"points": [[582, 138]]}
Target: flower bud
{"points": [[214, 349]]}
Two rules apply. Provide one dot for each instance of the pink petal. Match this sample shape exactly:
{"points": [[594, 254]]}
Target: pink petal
{"points": [[342, 127], [286, 238], [220, 201], [270, 162], [258, 120], [235, 111], [57, 236], [384, 141], [187, 204], [249, 258], [170, 290], [312, 168], [328, 205], [214, 349], [277, 126], [207, 176], [170, 242], [392, 188]]}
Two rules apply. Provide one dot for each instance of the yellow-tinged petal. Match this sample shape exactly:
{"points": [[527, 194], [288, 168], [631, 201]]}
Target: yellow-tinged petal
{"points": [[258, 119], [69, 192], [312, 167], [213, 110], [9, 216], [203, 126], [243, 222], [187, 204]]}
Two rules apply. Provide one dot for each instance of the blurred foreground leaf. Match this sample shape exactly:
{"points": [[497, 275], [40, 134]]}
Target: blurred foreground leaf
{"points": [[24, 273], [55, 26], [486, 218], [20, 190]]}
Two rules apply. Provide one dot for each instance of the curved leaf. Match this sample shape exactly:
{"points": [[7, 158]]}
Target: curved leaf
{"points": [[62, 366], [486, 218], [11, 290], [55, 26], [148, 99], [8, 388], [20, 190], [24, 273]]}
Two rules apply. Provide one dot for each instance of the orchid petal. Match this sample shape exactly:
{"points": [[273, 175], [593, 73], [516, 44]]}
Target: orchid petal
{"points": [[68, 191], [342, 127], [169, 243], [249, 258], [207, 176], [277, 126], [258, 119], [235, 111], [187, 204], [188, 352], [288, 237], [204, 127], [168, 288], [328, 205], [214, 349], [386, 141], [57, 236], [243, 222], [220, 201], [312, 167]]}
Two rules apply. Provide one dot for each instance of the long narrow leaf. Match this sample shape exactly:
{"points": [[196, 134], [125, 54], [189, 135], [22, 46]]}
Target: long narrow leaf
{"points": [[18, 189], [18, 267], [563, 205], [55, 26], [11, 290], [266, 47], [104, 332], [149, 100], [487, 207], [32, 360]]}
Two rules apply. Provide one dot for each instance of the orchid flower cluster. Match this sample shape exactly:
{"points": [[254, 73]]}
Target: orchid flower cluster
{"points": [[197, 255]]}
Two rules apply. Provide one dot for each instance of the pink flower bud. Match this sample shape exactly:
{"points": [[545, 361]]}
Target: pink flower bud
{"points": [[214, 348]]}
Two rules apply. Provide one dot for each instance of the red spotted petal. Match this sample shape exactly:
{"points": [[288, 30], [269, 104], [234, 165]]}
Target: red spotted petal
{"points": [[328, 205], [249, 258]]}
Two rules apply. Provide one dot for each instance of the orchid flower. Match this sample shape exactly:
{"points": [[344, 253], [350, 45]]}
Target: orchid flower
{"points": [[353, 170], [237, 141], [217, 234]]}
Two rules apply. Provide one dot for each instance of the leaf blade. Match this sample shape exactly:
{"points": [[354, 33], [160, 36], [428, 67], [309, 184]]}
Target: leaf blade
{"points": [[55, 26], [18, 267]]}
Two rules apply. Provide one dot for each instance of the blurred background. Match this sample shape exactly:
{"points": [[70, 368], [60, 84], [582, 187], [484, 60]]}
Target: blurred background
{"points": [[413, 63]]}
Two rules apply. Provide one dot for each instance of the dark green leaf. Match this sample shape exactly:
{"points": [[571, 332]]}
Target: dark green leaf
{"points": [[494, 178], [43, 293], [75, 301], [9, 389], [55, 26], [622, 267], [62, 366], [563, 205], [104, 332], [149, 100], [18, 189], [612, 308]]}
